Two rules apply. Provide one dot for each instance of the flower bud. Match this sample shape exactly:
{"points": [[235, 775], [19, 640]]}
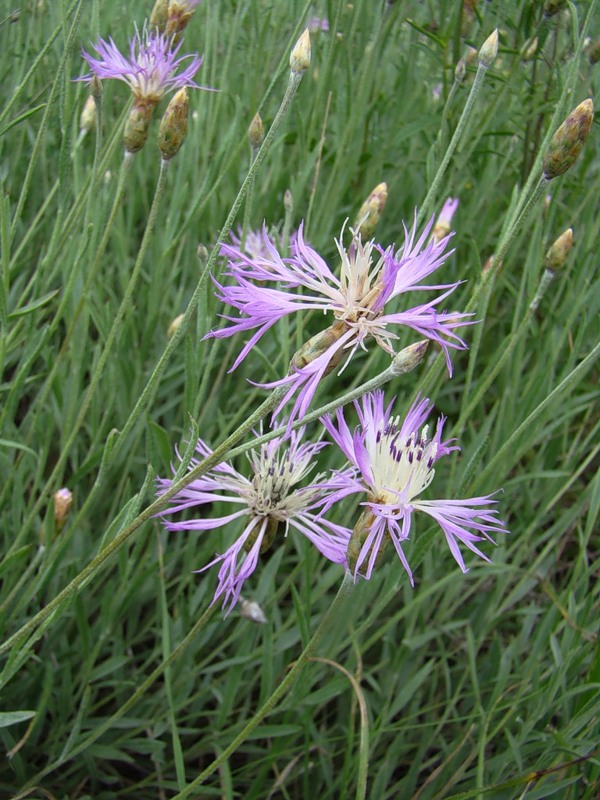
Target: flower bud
{"points": [[530, 49], [251, 610], [173, 125], [87, 120], [410, 357], [138, 124], [63, 500], [174, 326], [568, 141], [300, 55], [159, 15], [288, 201], [460, 71], [489, 50], [203, 254], [443, 223], [557, 254], [370, 212], [180, 13], [256, 133]]}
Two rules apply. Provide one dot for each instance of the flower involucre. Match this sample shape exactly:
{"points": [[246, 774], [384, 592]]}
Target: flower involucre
{"points": [[396, 461], [267, 502], [370, 277]]}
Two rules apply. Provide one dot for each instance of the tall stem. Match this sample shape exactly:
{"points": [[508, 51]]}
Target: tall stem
{"points": [[332, 615]]}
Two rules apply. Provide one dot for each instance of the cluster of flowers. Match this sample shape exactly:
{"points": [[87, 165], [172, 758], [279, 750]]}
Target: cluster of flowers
{"points": [[390, 460]]}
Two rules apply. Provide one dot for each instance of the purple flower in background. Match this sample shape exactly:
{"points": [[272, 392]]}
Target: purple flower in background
{"points": [[359, 300], [152, 68], [316, 24], [268, 500], [443, 223], [396, 460]]}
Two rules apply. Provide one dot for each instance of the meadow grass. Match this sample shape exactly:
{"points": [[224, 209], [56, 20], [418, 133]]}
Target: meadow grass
{"points": [[482, 685]]}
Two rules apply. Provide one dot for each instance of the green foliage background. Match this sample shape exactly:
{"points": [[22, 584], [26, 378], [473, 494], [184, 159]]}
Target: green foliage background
{"points": [[472, 683]]}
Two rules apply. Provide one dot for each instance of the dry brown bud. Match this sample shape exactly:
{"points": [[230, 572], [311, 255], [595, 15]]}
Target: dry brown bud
{"points": [[159, 15]]}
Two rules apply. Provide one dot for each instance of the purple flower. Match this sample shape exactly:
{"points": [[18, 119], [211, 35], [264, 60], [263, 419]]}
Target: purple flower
{"points": [[151, 69], [359, 300], [316, 24], [444, 221], [395, 461], [266, 502]]}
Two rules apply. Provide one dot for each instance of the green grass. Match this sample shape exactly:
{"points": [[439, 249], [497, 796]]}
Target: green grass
{"points": [[482, 685]]}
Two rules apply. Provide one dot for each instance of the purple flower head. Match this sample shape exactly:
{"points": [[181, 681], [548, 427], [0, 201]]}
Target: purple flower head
{"points": [[395, 460], [359, 300], [316, 24], [269, 500], [151, 69]]}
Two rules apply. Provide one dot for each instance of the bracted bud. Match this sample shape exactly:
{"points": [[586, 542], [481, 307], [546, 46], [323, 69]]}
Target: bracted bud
{"points": [[256, 133], [460, 71], [63, 500], [567, 143], [300, 55], [173, 125], [174, 326], [370, 212], [557, 254], [138, 124], [180, 13], [489, 50], [410, 357], [159, 15], [87, 120]]}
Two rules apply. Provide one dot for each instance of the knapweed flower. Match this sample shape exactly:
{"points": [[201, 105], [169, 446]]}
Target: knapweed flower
{"points": [[152, 69], [395, 461], [360, 301], [269, 503]]}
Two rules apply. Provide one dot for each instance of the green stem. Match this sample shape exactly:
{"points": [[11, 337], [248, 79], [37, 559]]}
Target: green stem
{"points": [[124, 173], [139, 692], [485, 381], [331, 616], [431, 195]]}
